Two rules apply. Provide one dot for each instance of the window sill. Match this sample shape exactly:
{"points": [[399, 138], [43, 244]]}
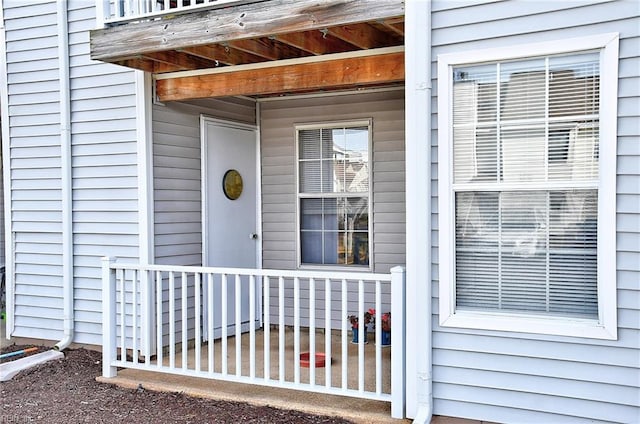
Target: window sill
{"points": [[341, 268], [556, 326]]}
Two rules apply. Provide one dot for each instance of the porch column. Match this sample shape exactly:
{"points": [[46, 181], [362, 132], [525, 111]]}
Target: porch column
{"points": [[109, 350]]}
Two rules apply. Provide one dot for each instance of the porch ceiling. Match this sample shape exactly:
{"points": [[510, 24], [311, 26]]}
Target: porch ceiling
{"points": [[270, 47]]}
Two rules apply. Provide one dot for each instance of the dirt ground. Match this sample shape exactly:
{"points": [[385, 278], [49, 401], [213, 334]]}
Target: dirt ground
{"points": [[66, 391]]}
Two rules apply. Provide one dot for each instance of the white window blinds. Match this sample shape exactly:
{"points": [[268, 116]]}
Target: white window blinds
{"points": [[525, 183]]}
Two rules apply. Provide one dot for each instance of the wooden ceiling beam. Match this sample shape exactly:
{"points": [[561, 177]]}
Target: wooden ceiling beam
{"points": [[267, 49], [306, 76], [245, 21], [180, 60], [222, 54], [315, 42], [363, 36]]}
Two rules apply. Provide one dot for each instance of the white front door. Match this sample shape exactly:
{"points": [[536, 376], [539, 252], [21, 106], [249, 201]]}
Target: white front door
{"points": [[230, 224]]}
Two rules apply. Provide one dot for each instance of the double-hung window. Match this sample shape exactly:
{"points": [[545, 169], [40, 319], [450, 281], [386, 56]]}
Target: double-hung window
{"points": [[334, 193], [527, 188]]}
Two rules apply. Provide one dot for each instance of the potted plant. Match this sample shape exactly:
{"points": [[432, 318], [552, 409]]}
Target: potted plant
{"points": [[355, 326], [385, 324]]}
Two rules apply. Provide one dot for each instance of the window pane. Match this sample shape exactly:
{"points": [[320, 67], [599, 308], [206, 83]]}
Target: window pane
{"points": [[310, 177], [522, 89], [574, 85], [309, 144], [573, 245], [474, 89], [357, 213], [523, 154], [311, 214], [475, 157], [573, 151], [311, 247], [477, 261]]}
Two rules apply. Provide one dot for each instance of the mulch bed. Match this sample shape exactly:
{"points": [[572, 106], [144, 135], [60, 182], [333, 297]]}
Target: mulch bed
{"points": [[66, 391]]}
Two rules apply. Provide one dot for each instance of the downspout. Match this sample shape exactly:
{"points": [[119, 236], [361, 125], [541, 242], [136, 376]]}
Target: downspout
{"points": [[66, 177], [419, 240]]}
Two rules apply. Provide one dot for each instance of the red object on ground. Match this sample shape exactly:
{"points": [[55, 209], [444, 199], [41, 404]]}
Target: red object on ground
{"points": [[306, 363]]}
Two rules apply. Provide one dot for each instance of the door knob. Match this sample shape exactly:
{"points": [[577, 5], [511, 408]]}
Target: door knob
{"points": [[253, 236]]}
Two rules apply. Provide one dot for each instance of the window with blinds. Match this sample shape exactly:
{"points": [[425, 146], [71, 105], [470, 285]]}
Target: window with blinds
{"points": [[334, 193], [525, 180]]}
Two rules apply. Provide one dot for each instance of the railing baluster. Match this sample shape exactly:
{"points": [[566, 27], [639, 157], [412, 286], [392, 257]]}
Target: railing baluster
{"points": [[296, 330], [238, 319], [147, 315], [172, 320], [123, 319], [134, 316], [159, 318], [267, 329], [210, 341], [281, 362], [345, 353], [185, 319], [197, 300], [223, 321], [362, 331], [252, 326], [312, 332], [327, 332], [379, 313]]}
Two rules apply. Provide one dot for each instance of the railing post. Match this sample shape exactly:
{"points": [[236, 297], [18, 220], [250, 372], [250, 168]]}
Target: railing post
{"points": [[103, 12], [109, 345], [398, 328]]}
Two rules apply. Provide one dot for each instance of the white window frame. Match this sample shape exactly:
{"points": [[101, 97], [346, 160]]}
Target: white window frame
{"points": [[605, 327], [367, 122]]}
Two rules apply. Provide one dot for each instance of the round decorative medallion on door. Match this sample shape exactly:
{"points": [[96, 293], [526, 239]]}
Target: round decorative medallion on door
{"points": [[232, 184]]}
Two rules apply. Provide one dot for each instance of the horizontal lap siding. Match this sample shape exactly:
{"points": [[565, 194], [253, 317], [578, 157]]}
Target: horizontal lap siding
{"points": [[104, 169], [525, 378], [176, 171], [177, 189], [278, 119], [34, 145]]}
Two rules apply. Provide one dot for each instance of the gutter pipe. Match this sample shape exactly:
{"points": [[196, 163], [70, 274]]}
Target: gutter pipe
{"points": [[419, 240], [65, 165]]}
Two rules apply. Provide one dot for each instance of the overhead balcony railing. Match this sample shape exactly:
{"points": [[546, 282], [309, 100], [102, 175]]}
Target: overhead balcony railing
{"points": [[123, 11]]}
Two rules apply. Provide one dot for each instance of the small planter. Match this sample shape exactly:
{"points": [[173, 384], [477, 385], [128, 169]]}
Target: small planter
{"points": [[385, 338], [305, 360], [354, 336]]}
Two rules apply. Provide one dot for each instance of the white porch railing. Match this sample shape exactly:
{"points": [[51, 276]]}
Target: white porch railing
{"points": [[121, 11], [184, 320]]}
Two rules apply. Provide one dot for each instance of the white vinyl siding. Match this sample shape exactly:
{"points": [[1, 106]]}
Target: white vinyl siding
{"points": [[176, 174], [104, 168], [177, 186], [34, 146], [515, 377], [278, 159]]}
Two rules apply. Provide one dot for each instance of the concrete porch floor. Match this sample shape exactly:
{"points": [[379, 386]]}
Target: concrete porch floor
{"points": [[355, 409]]}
